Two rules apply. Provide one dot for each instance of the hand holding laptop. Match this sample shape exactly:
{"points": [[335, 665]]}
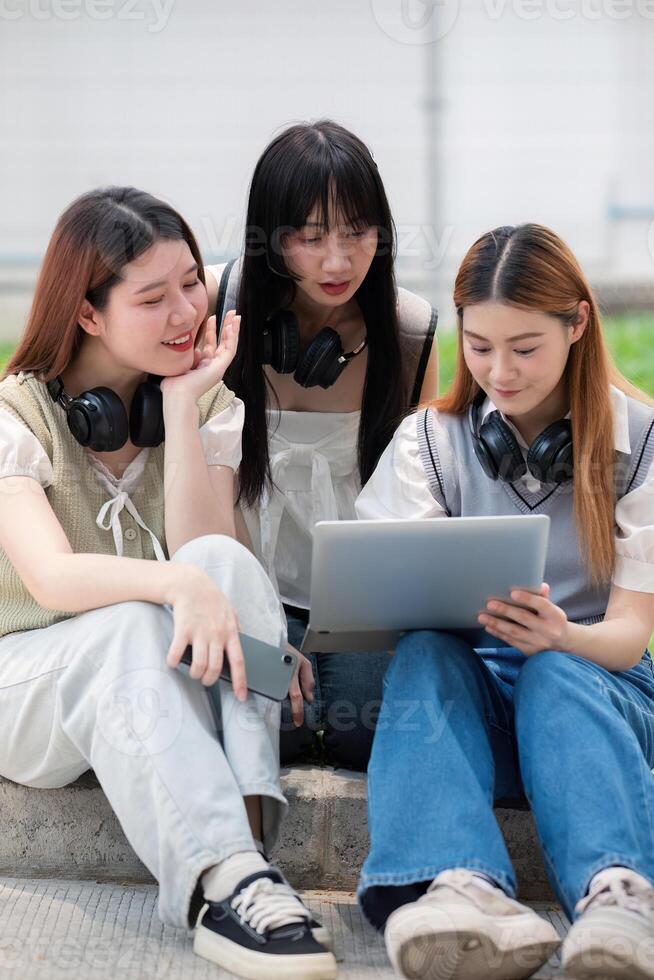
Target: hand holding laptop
{"points": [[530, 622], [373, 580]]}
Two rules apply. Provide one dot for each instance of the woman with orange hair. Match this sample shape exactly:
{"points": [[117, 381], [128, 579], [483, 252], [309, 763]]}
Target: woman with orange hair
{"points": [[552, 698]]}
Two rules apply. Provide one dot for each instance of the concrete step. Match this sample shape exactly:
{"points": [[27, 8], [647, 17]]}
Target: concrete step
{"points": [[72, 832]]}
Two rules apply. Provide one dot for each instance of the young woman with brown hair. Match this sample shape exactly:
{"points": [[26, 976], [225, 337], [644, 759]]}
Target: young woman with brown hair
{"points": [[118, 445], [553, 699]]}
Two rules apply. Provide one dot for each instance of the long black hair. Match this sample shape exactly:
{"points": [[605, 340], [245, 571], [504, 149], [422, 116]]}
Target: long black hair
{"points": [[315, 164]]}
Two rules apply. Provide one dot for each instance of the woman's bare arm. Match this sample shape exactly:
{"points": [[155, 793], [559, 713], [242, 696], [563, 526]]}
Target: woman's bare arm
{"points": [[242, 533], [58, 579], [198, 497], [618, 642]]}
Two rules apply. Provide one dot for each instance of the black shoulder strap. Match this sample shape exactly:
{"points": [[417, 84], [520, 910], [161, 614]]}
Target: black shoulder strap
{"points": [[417, 321], [424, 358]]}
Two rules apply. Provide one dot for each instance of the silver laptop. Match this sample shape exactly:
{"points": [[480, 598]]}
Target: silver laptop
{"points": [[373, 580]]}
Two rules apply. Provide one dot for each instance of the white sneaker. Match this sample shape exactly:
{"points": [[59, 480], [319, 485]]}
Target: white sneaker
{"points": [[465, 928], [614, 935]]}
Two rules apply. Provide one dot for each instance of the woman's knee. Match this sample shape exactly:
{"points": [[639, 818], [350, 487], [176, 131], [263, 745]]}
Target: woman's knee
{"points": [[229, 563], [546, 673], [433, 657], [242, 579], [208, 548], [548, 683]]}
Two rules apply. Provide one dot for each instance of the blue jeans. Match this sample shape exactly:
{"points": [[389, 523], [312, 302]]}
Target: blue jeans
{"points": [[346, 705], [464, 722]]}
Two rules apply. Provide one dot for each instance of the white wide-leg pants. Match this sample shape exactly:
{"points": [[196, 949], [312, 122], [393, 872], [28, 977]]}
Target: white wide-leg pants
{"points": [[95, 692]]}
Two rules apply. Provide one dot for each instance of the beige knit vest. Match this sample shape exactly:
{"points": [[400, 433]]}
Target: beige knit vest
{"points": [[76, 495]]}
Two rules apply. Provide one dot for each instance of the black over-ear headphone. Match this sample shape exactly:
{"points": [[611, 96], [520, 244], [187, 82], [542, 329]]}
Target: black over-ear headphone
{"points": [[549, 459], [98, 419], [323, 361]]}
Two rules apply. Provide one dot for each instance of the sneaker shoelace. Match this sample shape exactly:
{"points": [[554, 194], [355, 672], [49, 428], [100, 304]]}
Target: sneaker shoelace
{"points": [[622, 892], [486, 899], [265, 904]]}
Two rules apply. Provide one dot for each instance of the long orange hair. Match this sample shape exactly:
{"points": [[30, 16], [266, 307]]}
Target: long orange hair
{"points": [[531, 268]]}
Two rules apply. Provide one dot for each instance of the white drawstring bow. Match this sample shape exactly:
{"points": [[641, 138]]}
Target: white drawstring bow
{"points": [[112, 508]]}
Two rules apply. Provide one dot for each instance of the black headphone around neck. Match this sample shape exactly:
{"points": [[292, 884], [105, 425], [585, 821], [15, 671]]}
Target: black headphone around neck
{"points": [[323, 361], [97, 418], [549, 459]]}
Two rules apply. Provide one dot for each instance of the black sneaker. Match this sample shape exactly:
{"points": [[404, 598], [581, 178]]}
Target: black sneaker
{"points": [[261, 931], [319, 932]]}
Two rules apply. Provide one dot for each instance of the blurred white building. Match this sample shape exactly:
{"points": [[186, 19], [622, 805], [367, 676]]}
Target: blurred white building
{"points": [[478, 112]]}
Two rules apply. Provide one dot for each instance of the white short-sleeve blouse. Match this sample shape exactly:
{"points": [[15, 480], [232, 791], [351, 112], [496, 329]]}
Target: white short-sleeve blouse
{"points": [[398, 489], [21, 454]]}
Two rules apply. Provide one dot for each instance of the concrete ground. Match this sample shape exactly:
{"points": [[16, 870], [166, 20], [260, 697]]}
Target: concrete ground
{"points": [[51, 929]]}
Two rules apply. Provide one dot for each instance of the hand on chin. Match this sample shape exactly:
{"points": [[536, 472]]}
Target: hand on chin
{"points": [[209, 362]]}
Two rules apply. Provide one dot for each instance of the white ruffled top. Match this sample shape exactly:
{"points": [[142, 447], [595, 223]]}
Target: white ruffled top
{"points": [[313, 459]]}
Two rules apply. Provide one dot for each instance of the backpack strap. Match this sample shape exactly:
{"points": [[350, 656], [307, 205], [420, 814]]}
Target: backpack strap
{"points": [[424, 357], [417, 322]]}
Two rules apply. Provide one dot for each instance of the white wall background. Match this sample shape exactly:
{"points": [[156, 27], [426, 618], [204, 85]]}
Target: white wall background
{"points": [[478, 112]]}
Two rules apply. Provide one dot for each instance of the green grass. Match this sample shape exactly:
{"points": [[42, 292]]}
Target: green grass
{"points": [[630, 339], [6, 350]]}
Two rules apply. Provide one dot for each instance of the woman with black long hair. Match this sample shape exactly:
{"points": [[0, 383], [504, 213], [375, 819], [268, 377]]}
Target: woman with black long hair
{"points": [[330, 358]]}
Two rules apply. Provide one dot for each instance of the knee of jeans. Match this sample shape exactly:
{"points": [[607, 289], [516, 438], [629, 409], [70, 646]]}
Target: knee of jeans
{"points": [[544, 668], [542, 681], [433, 656], [205, 549]]}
